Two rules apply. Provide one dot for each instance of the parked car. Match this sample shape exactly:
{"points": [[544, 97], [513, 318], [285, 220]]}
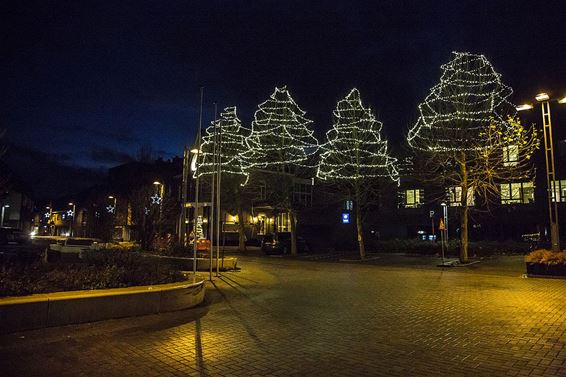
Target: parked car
{"points": [[71, 248], [280, 243], [13, 236]]}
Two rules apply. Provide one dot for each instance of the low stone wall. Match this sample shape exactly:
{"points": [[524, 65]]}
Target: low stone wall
{"points": [[203, 264], [64, 308]]}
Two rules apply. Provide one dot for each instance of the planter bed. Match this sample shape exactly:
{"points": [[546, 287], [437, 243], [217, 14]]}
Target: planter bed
{"points": [[546, 263], [64, 308], [543, 269]]}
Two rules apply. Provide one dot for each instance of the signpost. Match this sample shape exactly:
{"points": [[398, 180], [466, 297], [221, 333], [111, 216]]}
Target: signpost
{"points": [[431, 214], [442, 228]]}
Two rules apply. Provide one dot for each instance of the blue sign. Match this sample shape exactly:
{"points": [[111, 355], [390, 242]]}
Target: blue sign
{"points": [[345, 218]]}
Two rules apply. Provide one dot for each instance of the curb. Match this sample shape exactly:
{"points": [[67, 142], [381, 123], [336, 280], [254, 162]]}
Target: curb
{"points": [[65, 308]]}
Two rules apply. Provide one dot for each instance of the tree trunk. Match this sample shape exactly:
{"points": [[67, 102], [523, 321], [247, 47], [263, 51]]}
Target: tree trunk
{"points": [[292, 220], [241, 230], [359, 226], [464, 217], [464, 235]]}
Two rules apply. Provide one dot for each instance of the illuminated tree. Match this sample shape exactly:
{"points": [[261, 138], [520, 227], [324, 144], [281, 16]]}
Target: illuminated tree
{"points": [[281, 145], [453, 136], [280, 135], [355, 158], [230, 144], [230, 135]]}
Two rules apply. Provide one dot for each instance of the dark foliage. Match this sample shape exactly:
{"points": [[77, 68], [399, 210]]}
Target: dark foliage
{"points": [[97, 270]]}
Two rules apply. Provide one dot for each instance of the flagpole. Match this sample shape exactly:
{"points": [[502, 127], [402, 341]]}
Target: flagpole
{"points": [[218, 212], [197, 185], [211, 223]]}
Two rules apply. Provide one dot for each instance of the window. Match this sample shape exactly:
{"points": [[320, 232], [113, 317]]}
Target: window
{"points": [[559, 191], [455, 195], [517, 193], [303, 194], [412, 198], [510, 155], [262, 191]]}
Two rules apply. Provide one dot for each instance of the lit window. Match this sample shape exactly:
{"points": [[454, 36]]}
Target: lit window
{"points": [[412, 198], [455, 194], [559, 191], [511, 155], [517, 193]]}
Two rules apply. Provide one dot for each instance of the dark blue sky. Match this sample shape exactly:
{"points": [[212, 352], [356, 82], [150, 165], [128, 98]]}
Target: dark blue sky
{"points": [[92, 82]]}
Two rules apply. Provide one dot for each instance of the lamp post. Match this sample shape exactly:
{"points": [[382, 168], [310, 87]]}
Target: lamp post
{"points": [[72, 219], [544, 100], [3, 209], [114, 215], [159, 186]]}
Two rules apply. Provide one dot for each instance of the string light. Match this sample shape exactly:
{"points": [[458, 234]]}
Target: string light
{"points": [[231, 135], [469, 98], [354, 149], [280, 134]]}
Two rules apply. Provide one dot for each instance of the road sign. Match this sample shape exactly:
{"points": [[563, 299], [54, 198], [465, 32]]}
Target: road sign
{"points": [[345, 218], [441, 225], [431, 214]]}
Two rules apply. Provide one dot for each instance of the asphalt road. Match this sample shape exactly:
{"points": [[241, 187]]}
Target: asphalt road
{"points": [[283, 316]]}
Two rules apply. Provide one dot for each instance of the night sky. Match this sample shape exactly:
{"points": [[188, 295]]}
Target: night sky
{"points": [[91, 82]]}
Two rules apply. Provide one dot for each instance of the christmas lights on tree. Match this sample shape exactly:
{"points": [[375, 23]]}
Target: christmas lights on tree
{"points": [[230, 134], [469, 98], [354, 149], [280, 135]]}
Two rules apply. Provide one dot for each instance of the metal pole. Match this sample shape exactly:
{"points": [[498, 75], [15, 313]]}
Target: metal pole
{"points": [[3, 209], [186, 169], [211, 223], [445, 212], [550, 176], [218, 212], [442, 243], [197, 186]]}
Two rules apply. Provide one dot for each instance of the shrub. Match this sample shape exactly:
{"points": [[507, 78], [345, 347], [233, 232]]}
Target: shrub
{"points": [[546, 257], [98, 270], [476, 248]]}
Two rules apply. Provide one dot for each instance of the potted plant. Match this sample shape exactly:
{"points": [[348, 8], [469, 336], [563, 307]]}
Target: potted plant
{"points": [[544, 262]]}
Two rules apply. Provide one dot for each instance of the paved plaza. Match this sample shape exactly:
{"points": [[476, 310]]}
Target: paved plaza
{"points": [[287, 317]]}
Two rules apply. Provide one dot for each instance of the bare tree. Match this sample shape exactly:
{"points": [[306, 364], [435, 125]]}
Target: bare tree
{"points": [[467, 138], [355, 159]]}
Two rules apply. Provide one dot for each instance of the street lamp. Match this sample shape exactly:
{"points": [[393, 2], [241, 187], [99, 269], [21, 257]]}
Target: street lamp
{"points": [[3, 209], [73, 219], [544, 100], [114, 199]]}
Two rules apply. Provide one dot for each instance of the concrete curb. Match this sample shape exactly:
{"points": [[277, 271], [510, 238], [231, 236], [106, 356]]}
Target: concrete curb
{"points": [[64, 308]]}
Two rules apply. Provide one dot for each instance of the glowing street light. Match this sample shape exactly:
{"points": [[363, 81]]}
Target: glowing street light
{"points": [[541, 97], [525, 106]]}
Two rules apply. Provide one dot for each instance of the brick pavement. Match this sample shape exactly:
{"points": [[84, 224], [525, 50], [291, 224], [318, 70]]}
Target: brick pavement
{"points": [[281, 317]]}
